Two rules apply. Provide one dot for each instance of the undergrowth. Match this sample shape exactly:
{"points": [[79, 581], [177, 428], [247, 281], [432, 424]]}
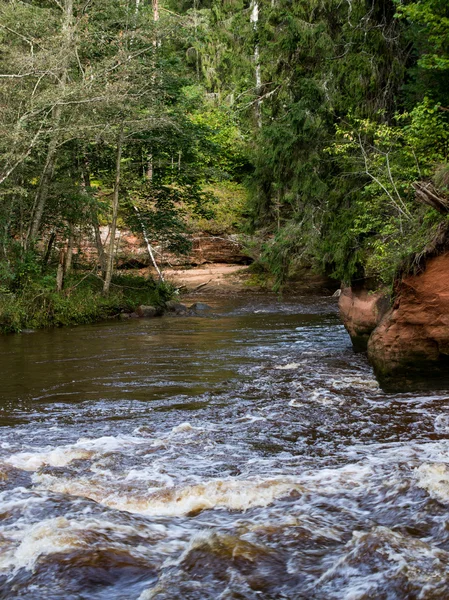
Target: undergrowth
{"points": [[36, 304]]}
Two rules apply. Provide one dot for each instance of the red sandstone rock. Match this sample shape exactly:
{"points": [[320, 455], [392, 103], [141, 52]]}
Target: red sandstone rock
{"points": [[132, 250], [361, 311], [413, 338]]}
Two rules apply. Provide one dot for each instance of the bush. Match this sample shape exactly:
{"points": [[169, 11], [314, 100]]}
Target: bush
{"points": [[38, 305]]}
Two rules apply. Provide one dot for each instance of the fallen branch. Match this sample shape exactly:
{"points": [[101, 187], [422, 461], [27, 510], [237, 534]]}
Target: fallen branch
{"points": [[198, 287], [149, 248], [426, 193]]}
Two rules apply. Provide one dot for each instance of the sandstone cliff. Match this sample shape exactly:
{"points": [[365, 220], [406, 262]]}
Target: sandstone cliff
{"points": [[407, 343], [410, 347], [132, 250], [361, 310]]}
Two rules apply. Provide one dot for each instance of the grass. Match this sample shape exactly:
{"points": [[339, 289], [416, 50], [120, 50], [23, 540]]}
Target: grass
{"points": [[37, 304]]}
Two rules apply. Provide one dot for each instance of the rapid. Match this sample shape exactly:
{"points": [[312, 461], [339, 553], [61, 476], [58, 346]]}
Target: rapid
{"points": [[247, 454]]}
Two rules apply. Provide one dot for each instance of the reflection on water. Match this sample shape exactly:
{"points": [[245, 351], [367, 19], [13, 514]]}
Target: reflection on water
{"points": [[245, 455]]}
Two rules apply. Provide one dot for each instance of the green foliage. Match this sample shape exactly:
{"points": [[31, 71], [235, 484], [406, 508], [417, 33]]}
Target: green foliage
{"points": [[283, 252], [38, 305], [432, 18], [230, 160], [228, 206], [356, 116], [319, 159], [383, 223]]}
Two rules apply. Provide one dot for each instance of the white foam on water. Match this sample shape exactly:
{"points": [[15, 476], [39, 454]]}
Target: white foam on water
{"points": [[47, 537], [23, 547], [231, 494], [434, 478], [249, 418], [441, 424], [373, 560], [57, 457], [323, 397], [84, 448], [288, 367], [350, 477], [296, 403], [354, 382], [183, 428]]}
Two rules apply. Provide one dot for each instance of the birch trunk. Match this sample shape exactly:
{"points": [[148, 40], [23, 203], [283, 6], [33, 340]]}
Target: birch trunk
{"points": [[258, 75], [60, 272], [113, 228], [99, 245], [149, 248]]}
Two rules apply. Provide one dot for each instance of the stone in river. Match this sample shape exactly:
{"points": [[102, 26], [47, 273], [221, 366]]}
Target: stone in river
{"points": [[200, 307], [146, 311], [176, 307]]}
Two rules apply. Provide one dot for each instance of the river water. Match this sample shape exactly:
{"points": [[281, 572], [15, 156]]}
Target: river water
{"points": [[249, 454]]}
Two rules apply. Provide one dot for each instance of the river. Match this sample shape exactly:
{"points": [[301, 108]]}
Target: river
{"points": [[249, 454]]}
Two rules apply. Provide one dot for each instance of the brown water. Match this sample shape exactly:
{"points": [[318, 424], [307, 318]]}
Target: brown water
{"points": [[245, 455]]}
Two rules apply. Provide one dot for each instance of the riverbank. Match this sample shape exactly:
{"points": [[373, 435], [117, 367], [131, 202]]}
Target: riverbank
{"points": [[218, 278], [38, 305]]}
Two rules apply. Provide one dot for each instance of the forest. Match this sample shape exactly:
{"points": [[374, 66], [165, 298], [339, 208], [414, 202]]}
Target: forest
{"points": [[318, 129]]}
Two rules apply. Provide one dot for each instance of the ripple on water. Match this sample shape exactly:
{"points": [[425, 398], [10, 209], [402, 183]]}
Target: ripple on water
{"points": [[248, 455]]}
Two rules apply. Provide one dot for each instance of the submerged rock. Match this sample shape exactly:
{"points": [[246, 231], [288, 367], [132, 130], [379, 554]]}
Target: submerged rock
{"points": [[200, 308], [361, 310]]}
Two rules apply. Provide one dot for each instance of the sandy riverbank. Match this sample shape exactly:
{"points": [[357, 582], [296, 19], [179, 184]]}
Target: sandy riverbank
{"points": [[211, 278]]}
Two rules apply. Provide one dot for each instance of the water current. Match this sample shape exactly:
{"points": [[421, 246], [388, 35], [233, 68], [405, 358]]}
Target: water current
{"points": [[248, 454]]}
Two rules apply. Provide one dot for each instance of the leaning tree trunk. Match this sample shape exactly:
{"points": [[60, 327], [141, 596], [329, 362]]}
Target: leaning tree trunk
{"points": [[113, 228], [51, 241], [42, 192], [149, 248]]}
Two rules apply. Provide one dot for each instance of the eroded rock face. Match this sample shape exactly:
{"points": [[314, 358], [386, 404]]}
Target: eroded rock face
{"points": [[132, 250], [361, 311], [410, 347]]}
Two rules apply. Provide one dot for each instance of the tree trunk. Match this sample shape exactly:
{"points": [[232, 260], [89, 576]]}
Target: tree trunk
{"points": [[150, 167], [47, 174], [155, 10], [149, 248], [99, 245], [113, 228], [60, 272], [258, 76], [69, 255], [85, 184], [47, 255]]}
